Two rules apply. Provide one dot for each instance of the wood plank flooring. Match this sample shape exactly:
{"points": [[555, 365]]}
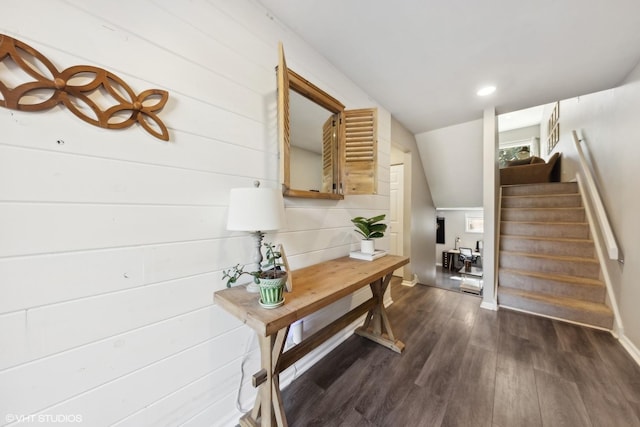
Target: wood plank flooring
{"points": [[465, 366]]}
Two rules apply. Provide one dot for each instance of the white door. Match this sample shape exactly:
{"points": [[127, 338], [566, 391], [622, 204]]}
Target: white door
{"points": [[396, 213]]}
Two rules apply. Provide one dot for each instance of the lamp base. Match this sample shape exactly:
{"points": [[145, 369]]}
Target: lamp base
{"points": [[253, 288], [257, 259]]}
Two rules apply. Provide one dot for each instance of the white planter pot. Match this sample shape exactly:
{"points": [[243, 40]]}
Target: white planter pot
{"points": [[367, 246]]}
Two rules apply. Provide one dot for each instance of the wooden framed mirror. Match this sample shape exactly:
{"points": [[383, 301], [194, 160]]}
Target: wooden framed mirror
{"points": [[308, 128], [325, 150]]}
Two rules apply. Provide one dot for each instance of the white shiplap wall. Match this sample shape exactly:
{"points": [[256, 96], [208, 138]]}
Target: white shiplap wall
{"points": [[112, 242]]}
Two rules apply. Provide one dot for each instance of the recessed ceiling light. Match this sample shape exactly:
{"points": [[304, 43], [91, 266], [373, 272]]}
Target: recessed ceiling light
{"points": [[487, 90]]}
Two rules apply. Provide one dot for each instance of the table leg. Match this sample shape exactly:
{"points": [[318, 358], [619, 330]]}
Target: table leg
{"points": [[377, 326], [268, 409]]}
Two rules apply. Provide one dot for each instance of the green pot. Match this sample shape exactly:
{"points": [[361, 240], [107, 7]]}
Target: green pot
{"points": [[271, 290]]}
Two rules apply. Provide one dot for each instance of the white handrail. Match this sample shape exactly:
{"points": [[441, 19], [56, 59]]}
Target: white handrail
{"points": [[594, 195], [606, 277]]}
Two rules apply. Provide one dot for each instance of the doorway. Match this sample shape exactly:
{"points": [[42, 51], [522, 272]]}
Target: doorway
{"points": [[459, 228], [396, 213]]}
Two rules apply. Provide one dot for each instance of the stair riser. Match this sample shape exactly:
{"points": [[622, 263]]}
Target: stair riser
{"points": [[547, 247], [543, 215], [536, 189], [561, 312], [588, 270], [563, 201], [552, 287], [575, 231]]}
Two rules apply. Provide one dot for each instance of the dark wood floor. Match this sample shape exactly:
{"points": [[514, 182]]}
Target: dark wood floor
{"points": [[449, 279], [466, 366]]}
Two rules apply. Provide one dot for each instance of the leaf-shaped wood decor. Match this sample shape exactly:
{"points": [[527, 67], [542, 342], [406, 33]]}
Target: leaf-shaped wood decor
{"points": [[93, 94]]}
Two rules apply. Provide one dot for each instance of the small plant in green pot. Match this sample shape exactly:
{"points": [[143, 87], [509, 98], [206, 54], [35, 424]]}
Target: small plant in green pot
{"points": [[271, 279], [369, 229]]}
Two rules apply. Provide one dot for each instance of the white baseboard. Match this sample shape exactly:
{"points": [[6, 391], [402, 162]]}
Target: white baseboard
{"points": [[630, 347], [411, 283], [617, 331], [489, 305]]}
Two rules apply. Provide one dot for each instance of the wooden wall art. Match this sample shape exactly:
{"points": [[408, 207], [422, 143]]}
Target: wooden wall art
{"points": [[83, 89]]}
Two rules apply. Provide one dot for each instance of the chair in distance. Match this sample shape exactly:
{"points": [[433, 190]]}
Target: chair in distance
{"points": [[466, 254]]}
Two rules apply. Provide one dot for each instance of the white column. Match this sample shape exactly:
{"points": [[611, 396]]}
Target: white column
{"points": [[490, 202]]}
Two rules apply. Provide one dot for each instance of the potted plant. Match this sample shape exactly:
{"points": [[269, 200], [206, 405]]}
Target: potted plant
{"points": [[270, 278], [369, 229]]}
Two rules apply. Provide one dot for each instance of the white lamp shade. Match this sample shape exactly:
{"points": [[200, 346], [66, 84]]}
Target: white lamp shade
{"points": [[255, 209]]}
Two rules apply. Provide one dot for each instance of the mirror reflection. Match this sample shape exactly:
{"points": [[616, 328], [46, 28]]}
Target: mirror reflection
{"points": [[313, 145]]}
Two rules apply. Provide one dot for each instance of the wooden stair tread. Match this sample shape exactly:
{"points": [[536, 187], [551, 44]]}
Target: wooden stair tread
{"points": [[548, 222], [543, 184], [540, 195], [556, 277], [565, 208], [558, 301], [546, 238], [553, 257]]}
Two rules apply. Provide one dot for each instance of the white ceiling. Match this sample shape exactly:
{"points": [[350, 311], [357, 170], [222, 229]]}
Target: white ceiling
{"points": [[424, 60]]}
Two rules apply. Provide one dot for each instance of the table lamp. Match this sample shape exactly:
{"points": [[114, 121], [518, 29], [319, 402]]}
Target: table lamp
{"points": [[256, 210]]}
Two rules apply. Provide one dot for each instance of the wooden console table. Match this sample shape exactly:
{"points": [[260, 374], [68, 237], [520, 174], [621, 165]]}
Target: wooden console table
{"points": [[314, 287]]}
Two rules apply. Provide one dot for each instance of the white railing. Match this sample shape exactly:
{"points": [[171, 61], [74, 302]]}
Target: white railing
{"points": [[596, 200]]}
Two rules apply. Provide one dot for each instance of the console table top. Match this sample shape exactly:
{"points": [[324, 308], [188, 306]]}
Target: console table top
{"points": [[314, 287]]}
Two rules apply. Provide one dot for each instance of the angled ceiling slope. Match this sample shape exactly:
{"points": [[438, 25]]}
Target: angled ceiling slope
{"points": [[424, 61]]}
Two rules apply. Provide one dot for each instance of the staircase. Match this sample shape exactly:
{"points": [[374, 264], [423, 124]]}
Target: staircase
{"points": [[547, 262]]}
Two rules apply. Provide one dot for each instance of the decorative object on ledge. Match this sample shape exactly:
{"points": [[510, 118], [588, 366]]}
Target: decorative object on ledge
{"points": [[79, 88], [256, 210], [369, 229], [553, 130], [269, 277], [378, 253]]}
